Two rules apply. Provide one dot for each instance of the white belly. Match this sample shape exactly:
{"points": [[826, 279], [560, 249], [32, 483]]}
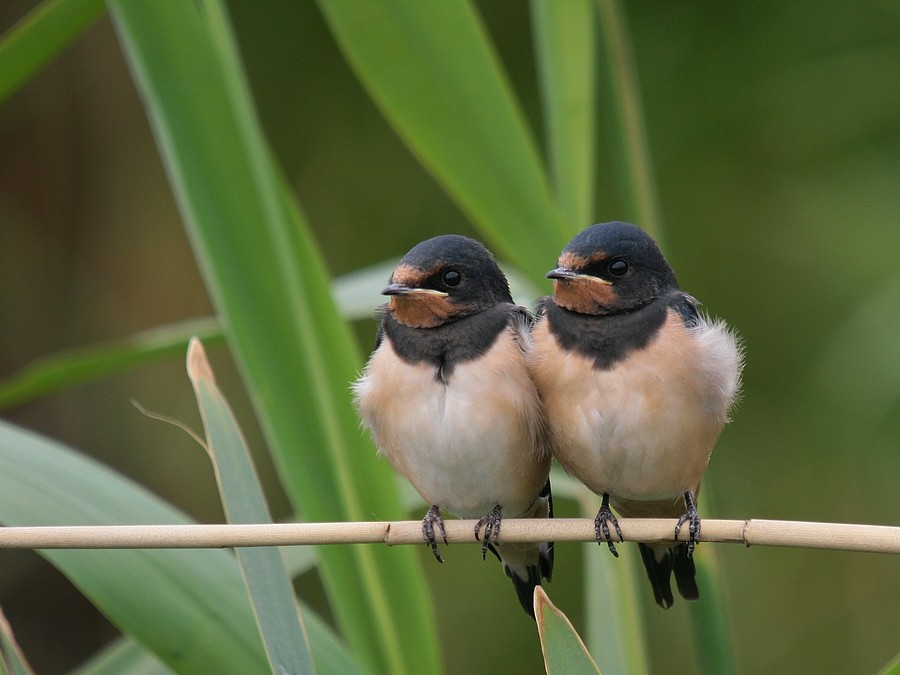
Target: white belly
{"points": [[644, 429], [465, 445]]}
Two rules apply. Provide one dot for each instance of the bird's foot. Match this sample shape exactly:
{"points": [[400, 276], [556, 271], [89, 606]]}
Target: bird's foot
{"points": [[604, 519], [490, 523], [692, 517], [432, 518]]}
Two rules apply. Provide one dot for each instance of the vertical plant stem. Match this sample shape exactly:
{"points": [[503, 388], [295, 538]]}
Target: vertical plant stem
{"points": [[637, 167]]}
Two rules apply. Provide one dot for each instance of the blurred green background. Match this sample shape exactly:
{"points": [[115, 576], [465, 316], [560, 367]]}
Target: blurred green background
{"points": [[775, 134]]}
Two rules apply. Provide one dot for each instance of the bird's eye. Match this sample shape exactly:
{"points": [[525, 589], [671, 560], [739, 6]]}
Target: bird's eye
{"points": [[618, 268], [451, 278]]}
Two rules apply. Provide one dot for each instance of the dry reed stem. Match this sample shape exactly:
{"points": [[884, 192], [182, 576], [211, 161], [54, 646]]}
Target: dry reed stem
{"points": [[871, 538]]}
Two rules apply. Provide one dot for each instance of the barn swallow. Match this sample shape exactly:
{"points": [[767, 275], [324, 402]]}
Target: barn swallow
{"points": [[636, 385], [449, 401]]}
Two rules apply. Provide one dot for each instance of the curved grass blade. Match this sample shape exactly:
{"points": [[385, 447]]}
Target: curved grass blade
{"points": [[268, 584], [634, 151], [42, 34], [123, 656], [270, 287], [188, 607], [710, 616], [432, 70], [564, 45], [564, 652], [75, 367], [12, 660], [613, 619], [892, 668]]}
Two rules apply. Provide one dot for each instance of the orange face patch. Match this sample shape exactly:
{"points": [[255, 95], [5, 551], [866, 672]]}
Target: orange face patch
{"points": [[585, 295], [422, 310], [573, 261], [412, 276]]}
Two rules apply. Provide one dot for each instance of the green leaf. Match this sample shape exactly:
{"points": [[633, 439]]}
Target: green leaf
{"points": [[564, 44], [564, 652], [710, 616], [613, 618], [892, 668], [270, 287], [431, 68], [12, 660], [188, 607], [123, 656], [280, 626], [80, 366], [633, 152], [44, 32]]}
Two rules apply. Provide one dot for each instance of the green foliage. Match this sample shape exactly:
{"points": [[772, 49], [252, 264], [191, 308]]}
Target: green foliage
{"points": [[564, 652], [267, 280], [774, 135], [280, 625], [37, 39], [432, 70]]}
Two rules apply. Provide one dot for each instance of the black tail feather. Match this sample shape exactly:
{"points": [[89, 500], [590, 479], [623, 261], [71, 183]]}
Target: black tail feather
{"points": [[685, 573], [525, 587], [659, 572], [525, 578], [547, 548]]}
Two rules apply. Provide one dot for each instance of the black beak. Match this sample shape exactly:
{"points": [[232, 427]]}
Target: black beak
{"points": [[561, 273], [396, 289]]}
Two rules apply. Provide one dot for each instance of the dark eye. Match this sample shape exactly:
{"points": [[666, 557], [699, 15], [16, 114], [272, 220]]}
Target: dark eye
{"points": [[451, 278], [618, 268]]}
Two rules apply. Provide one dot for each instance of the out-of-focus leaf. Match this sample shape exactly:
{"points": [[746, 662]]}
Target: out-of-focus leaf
{"points": [[564, 652], [633, 152], [42, 34], [80, 366], [710, 618], [893, 668], [431, 68], [12, 660], [270, 286], [564, 37], [189, 607], [268, 584], [613, 621], [123, 655]]}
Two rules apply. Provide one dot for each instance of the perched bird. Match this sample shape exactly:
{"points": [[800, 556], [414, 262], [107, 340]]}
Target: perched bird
{"points": [[449, 400], [636, 385]]}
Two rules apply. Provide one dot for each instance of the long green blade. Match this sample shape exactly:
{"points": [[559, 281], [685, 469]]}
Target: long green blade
{"points": [[12, 660], [188, 607], [270, 287], [80, 366], [35, 40], [564, 37], [430, 67], [564, 651], [636, 169], [613, 620], [122, 656], [268, 584]]}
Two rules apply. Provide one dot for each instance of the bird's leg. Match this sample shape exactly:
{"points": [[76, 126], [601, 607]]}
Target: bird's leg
{"points": [[490, 523], [602, 522], [428, 522], [692, 517]]}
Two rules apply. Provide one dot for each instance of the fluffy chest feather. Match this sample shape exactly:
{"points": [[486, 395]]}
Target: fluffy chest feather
{"points": [[644, 428], [468, 442]]}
